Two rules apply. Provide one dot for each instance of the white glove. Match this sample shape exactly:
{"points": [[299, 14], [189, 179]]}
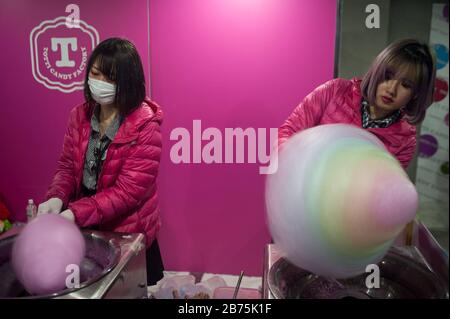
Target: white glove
{"points": [[53, 205], [68, 214]]}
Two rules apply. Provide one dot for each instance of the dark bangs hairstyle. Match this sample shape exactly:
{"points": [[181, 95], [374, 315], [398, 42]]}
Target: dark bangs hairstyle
{"points": [[405, 57], [119, 60]]}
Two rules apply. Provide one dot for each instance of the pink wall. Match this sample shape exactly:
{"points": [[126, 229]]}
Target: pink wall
{"points": [[228, 63]]}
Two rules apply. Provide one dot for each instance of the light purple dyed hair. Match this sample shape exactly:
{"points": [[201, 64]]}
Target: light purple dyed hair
{"points": [[399, 57]]}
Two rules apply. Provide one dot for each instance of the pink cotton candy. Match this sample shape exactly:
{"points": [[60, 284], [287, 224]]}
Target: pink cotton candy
{"points": [[43, 251]]}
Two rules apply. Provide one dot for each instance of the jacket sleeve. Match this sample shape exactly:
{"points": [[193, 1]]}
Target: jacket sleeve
{"points": [[135, 183], [63, 183], [309, 112], [406, 153]]}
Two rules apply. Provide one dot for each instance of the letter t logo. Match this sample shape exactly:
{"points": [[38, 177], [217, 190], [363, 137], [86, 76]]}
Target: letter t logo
{"points": [[64, 44]]}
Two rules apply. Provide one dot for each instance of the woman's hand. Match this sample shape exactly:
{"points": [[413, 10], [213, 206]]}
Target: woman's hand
{"points": [[53, 205], [68, 214]]}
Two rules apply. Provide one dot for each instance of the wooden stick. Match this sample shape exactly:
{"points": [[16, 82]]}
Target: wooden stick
{"points": [[238, 285], [409, 233]]}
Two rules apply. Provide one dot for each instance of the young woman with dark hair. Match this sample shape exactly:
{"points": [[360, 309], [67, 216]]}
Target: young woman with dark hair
{"points": [[106, 174]]}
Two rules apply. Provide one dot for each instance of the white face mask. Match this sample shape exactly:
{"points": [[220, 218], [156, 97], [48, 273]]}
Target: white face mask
{"points": [[102, 92]]}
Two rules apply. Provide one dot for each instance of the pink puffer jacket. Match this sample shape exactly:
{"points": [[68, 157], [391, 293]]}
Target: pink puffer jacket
{"points": [[339, 101], [126, 198]]}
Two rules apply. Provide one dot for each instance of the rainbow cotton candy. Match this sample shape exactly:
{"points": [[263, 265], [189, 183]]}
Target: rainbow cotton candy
{"points": [[338, 200]]}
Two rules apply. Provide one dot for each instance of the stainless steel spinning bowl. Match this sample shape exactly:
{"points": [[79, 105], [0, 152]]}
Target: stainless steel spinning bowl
{"points": [[102, 255], [400, 277]]}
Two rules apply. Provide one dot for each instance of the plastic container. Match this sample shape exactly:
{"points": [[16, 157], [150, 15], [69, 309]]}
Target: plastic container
{"points": [[31, 210], [243, 293]]}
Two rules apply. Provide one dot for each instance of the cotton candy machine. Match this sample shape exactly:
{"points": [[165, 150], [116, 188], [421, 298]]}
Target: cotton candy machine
{"points": [[114, 267], [404, 274]]}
